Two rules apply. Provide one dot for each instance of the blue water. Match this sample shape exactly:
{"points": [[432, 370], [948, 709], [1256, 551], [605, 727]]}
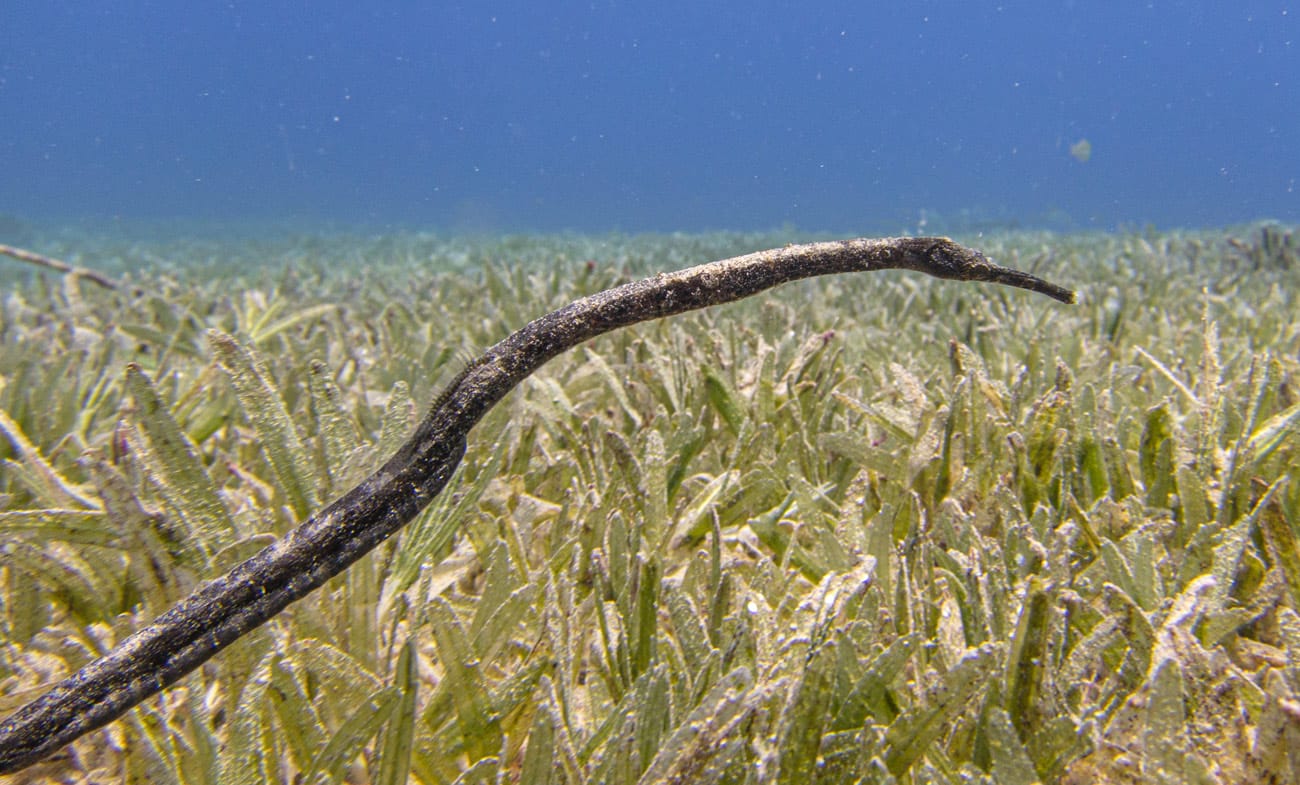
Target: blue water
{"points": [[666, 115]]}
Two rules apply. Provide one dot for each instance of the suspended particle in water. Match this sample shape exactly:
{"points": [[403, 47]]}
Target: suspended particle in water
{"points": [[1081, 151]]}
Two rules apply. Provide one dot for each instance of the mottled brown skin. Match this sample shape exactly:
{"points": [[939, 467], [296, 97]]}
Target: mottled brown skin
{"points": [[222, 610]]}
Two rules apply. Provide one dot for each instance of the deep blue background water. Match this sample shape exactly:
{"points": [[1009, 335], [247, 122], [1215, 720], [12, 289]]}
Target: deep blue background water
{"points": [[665, 115]]}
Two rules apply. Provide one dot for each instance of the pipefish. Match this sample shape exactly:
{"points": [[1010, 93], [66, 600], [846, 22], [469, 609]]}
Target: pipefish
{"points": [[225, 608]]}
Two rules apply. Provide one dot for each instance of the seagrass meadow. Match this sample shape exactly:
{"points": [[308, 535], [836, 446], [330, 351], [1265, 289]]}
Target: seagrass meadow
{"points": [[872, 528]]}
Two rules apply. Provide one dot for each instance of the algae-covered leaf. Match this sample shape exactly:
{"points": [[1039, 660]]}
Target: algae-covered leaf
{"points": [[540, 766], [480, 728], [696, 518], [910, 736], [347, 742], [399, 419], [72, 577], [652, 710], [158, 557], [339, 672], [861, 450], [264, 329], [177, 469], [1169, 757], [1268, 437], [1155, 455], [870, 696], [1135, 632], [1011, 762], [398, 738], [1223, 617], [1191, 492], [655, 489], [264, 408], [1283, 550], [501, 584], [1121, 479], [339, 435], [805, 714], [615, 386], [1169, 375], [688, 627], [290, 695], [1117, 568], [159, 761], [175, 342], [1028, 659], [483, 771], [1092, 464], [724, 399], [81, 527], [706, 740], [785, 550], [246, 759], [44, 481], [1275, 756]]}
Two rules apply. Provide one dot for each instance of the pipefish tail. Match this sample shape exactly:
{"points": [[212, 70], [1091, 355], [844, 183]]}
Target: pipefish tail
{"points": [[220, 611]]}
